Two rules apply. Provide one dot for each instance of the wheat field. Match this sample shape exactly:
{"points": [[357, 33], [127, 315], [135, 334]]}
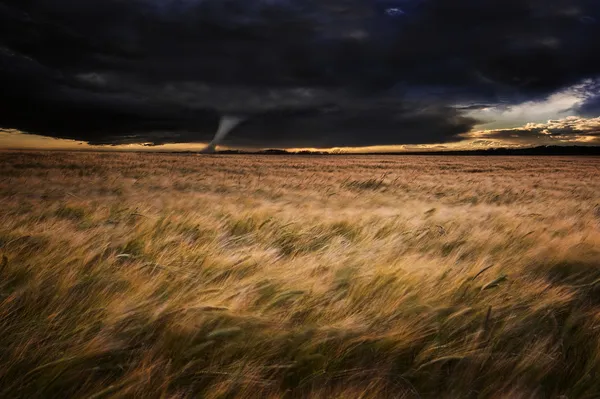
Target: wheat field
{"points": [[177, 275]]}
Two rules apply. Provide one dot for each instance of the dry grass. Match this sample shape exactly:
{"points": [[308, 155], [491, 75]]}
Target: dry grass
{"points": [[139, 275]]}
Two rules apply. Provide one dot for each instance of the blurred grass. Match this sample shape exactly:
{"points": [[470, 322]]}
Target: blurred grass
{"points": [[146, 275]]}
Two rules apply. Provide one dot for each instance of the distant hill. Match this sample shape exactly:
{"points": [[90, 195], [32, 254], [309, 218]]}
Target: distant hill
{"points": [[541, 150]]}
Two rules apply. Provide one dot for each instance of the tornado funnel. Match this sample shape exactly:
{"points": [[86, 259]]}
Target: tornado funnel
{"points": [[226, 125]]}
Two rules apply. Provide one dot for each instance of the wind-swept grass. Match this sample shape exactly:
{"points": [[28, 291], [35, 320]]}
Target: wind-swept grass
{"points": [[141, 275]]}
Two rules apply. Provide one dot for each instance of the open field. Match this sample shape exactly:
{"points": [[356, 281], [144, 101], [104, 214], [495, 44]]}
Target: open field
{"points": [[156, 275]]}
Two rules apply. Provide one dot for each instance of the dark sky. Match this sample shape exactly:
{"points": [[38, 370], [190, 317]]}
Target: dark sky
{"points": [[305, 73]]}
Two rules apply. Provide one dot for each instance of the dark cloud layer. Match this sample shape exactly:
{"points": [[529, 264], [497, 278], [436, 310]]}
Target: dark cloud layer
{"points": [[306, 72]]}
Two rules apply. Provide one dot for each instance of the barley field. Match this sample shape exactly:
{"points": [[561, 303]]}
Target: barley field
{"points": [[140, 275]]}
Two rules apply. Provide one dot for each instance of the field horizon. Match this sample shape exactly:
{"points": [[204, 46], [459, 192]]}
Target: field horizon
{"points": [[243, 276]]}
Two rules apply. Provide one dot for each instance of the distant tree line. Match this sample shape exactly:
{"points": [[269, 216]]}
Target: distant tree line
{"points": [[541, 150]]}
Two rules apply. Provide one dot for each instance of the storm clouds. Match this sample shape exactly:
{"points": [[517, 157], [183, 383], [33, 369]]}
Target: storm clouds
{"points": [[302, 73]]}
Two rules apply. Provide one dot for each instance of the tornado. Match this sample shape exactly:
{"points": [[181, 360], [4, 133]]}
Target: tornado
{"points": [[226, 125]]}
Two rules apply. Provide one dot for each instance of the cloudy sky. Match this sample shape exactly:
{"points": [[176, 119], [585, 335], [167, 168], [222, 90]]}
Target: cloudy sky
{"points": [[300, 73]]}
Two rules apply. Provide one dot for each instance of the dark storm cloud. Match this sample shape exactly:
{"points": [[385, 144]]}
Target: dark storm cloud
{"points": [[306, 72]]}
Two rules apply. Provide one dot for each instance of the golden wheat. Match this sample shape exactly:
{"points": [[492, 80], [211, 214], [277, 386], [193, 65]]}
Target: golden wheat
{"points": [[164, 275]]}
